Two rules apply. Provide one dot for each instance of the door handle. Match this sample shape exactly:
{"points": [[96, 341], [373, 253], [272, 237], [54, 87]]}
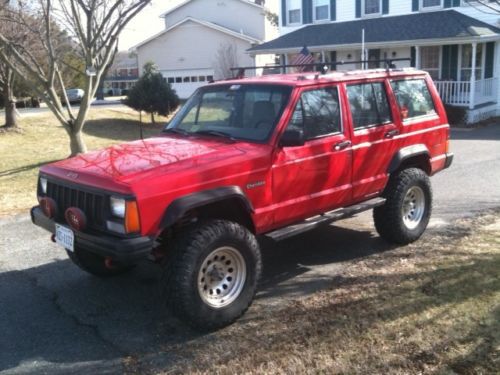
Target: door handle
{"points": [[341, 145], [391, 133]]}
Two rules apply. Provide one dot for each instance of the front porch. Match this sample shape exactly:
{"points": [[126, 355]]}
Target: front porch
{"points": [[461, 53], [460, 93]]}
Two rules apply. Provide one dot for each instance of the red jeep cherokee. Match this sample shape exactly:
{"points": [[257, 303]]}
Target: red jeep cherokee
{"points": [[275, 156]]}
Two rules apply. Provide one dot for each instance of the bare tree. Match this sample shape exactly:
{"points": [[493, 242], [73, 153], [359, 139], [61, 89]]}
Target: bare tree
{"points": [[92, 27], [7, 87], [7, 78], [225, 58]]}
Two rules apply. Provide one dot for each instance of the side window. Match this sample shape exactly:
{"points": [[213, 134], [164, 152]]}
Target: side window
{"points": [[369, 104], [413, 98], [317, 113]]}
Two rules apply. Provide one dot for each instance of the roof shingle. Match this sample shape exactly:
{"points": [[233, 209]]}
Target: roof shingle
{"points": [[418, 26]]}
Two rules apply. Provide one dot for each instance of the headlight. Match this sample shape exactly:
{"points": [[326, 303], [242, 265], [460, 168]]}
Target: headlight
{"points": [[43, 185], [117, 207]]}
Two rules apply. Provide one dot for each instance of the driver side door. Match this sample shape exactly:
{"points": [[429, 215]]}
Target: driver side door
{"points": [[314, 177]]}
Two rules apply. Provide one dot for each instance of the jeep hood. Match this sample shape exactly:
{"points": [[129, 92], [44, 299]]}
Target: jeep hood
{"points": [[122, 162]]}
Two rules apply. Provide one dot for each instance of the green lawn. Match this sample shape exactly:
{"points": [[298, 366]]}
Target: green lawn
{"points": [[43, 140]]}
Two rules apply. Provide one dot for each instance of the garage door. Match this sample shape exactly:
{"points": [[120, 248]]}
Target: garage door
{"points": [[185, 82]]}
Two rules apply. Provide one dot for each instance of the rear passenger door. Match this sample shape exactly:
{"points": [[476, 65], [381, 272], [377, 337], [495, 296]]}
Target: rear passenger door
{"points": [[316, 176], [373, 131]]}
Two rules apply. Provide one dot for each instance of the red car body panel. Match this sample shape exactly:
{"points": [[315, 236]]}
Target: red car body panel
{"points": [[283, 184]]}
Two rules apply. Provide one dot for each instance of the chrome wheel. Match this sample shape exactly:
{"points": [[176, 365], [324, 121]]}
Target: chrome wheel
{"points": [[222, 277], [413, 207]]}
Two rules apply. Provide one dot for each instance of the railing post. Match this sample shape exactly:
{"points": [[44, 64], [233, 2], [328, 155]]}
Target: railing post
{"points": [[417, 57], [473, 77]]}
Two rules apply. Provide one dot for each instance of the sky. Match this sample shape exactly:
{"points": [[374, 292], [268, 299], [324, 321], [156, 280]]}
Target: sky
{"points": [[148, 22]]}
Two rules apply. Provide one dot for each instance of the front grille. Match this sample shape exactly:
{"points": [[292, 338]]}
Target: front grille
{"points": [[90, 203]]}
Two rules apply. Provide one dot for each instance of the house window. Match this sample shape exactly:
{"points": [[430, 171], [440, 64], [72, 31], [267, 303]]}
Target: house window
{"points": [[294, 11], [171, 79], [372, 7], [321, 10], [430, 4], [429, 60], [466, 68]]}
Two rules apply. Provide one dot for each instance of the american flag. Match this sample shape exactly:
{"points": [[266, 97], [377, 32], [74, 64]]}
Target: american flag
{"points": [[303, 58]]}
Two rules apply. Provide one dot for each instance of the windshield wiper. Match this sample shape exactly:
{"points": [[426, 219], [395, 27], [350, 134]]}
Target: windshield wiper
{"points": [[215, 133], [176, 131]]}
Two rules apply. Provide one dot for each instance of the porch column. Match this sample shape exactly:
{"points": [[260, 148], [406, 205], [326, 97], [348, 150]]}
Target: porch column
{"points": [[473, 77], [417, 57]]}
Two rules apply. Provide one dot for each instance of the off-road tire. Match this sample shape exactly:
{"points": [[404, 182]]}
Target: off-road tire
{"points": [[187, 258], [94, 263], [389, 217]]}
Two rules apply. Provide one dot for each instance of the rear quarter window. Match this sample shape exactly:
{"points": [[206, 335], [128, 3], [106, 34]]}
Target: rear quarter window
{"points": [[413, 98]]}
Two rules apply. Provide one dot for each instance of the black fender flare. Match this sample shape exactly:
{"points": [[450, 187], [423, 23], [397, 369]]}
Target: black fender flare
{"points": [[180, 206], [406, 153]]}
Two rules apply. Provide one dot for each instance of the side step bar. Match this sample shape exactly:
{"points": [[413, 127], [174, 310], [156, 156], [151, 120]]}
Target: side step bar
{"points": [[326, 218]]}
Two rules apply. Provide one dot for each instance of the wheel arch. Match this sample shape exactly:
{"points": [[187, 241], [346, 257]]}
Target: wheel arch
{"points": [[411, 156], [228, 202]]}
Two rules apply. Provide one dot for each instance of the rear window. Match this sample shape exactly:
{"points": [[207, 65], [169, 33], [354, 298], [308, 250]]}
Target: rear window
{"points": [[413, 98]]}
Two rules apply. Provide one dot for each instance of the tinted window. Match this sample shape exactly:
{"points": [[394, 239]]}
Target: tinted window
{"points": [[317, 113], [369, 105], [414, 98]]}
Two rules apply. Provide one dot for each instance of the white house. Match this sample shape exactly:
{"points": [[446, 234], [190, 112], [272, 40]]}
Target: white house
{"points": [[202, 39], [457, 41], [122, 75]]}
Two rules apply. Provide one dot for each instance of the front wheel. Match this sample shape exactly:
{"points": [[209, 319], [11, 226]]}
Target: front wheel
{"points": [[211, 274], [406, 213]]}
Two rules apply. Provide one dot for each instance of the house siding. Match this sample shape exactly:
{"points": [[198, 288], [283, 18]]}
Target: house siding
{"points": [[235, 15], [346, 11], [182, 39]]}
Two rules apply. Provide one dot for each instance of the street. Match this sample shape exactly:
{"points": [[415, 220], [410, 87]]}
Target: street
{"points": [[56, 319]]}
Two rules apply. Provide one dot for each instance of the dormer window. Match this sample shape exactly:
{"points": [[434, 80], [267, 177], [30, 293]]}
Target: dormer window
{"points": [[294, 11], [372, 7], [321, 10], [430, 4]]}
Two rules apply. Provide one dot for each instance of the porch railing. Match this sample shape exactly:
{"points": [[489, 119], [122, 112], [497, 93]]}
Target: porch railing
{"points": [[458, 92]]}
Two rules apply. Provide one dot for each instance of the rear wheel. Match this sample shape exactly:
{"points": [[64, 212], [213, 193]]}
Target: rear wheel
{"points": [[96, 264], [211, 274], [406, 213]]}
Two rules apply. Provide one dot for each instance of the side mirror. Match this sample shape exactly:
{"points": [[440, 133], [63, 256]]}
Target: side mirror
{"points": [[292, 137]]}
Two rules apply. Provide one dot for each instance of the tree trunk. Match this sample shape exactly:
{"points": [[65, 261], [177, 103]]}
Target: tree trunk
{"points": [[153, 118], [10, 107], [77, 144]]}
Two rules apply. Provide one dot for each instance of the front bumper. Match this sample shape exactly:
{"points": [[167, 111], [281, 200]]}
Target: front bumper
{"points": [[124, 250]]}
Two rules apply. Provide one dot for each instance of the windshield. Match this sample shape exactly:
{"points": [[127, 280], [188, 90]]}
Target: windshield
{"points": [[247, 112]]}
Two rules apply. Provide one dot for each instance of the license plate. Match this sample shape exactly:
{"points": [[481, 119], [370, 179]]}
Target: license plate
{"points": [[65, 237]]}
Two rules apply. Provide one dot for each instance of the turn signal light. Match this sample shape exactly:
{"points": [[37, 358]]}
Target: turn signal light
{"points": [[48, 206], [132, 222]]}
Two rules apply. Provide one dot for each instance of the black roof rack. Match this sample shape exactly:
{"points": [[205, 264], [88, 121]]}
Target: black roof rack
{"points": [[323, 67]]}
